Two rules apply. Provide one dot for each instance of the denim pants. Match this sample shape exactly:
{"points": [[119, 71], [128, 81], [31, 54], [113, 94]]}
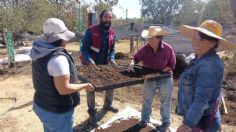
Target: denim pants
{"points": [[216, 122], [165, 87], [55, 122], [109, 94]]}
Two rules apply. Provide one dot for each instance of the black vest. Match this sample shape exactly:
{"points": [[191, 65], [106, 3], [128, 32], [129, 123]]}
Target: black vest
{"points": [[46, 95]]}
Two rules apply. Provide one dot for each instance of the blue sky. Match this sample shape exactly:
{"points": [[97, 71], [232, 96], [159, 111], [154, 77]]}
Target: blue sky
{"points": [[133, 7]]}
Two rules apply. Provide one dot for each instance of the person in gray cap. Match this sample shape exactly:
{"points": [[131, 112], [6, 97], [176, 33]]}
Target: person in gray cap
{"points": [[55, 78]]}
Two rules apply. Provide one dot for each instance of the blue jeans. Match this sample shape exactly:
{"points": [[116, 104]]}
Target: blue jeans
{"points": [[165, 87], [55, 122], [216, 123]]}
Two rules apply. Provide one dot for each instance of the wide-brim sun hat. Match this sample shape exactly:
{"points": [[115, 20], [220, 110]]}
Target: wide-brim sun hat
{"points": [[55, 29], [210, 28], [153, 31]]}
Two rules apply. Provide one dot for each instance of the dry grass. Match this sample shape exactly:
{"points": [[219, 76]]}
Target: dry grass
{"points": [[121, 46]]}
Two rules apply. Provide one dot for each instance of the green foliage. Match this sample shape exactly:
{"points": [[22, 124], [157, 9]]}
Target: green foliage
{"points": [[186, 11], [25, 16], [12, 18], [160, 11], [218, 10], [29, 15], [190, 12], [105, 5], [35, 14]]}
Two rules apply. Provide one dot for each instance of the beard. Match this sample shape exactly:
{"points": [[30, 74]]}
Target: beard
{"points": [[106, 25]]}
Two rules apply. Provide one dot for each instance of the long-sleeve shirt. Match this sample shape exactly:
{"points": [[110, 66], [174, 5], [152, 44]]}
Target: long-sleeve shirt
{"points": [[165, 57], [104, 52]]}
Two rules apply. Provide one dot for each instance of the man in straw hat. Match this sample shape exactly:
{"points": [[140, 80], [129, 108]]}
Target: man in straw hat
{"points": [[200, 84], [156, 55], [55, 78]]}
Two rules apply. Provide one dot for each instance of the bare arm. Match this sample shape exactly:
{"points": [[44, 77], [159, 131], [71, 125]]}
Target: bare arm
{"points": [[64, 87]]}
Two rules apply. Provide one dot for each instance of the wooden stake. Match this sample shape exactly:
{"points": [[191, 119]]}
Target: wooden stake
{"points": [[224, 105]]}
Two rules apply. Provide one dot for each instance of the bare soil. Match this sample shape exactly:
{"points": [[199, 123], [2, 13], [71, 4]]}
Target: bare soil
{"points": [[16, 83], [230, 91]]}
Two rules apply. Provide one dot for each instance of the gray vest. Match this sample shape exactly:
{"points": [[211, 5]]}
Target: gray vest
{"points": [[46, 96]]}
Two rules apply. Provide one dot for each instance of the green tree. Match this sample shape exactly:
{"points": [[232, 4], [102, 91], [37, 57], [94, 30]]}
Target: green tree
{"points": [[218, 10], [35, 14], [160, 11], [190, 12], [105, 5], [12, 17]]}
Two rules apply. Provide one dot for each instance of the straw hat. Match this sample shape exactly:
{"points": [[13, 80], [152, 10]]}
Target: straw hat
{"points": [[153, 31], [210, 28]]}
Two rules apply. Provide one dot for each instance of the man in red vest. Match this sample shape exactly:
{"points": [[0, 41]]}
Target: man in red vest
{"points": [[99, 49]]}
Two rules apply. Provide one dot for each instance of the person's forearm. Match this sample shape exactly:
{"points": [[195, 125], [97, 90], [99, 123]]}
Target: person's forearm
{"points": [[72, 88], [111, 55]]}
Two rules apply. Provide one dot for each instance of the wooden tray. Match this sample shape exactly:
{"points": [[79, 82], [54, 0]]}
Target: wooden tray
{"points": [[106, 77]]}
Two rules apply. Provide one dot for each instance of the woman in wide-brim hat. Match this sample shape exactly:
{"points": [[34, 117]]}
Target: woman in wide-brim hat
{"points": [[156, 55], [200, 84]]}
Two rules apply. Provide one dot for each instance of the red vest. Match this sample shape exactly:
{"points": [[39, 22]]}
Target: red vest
{"points": [[96, 42]]}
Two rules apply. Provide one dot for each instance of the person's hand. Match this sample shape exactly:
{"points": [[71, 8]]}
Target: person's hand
{"points": [[113, 63], [167, 69], [184, 128], [130, 68], [89, 87]]}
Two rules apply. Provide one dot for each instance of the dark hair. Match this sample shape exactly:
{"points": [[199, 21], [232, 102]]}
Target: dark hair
{"points": [[209, 38], [102, 13], [58, 42]]}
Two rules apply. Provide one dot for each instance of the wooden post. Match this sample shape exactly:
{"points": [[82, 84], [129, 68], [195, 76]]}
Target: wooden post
{"points": [[10, 47], [137, 41], [131, 44]]}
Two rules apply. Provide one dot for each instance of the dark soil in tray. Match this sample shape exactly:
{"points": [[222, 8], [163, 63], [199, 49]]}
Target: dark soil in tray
{"points": [[129, 125], [106, 75], [139, 72]]}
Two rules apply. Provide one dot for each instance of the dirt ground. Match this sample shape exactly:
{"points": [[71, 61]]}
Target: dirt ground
{"points": [[17, 91]]}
